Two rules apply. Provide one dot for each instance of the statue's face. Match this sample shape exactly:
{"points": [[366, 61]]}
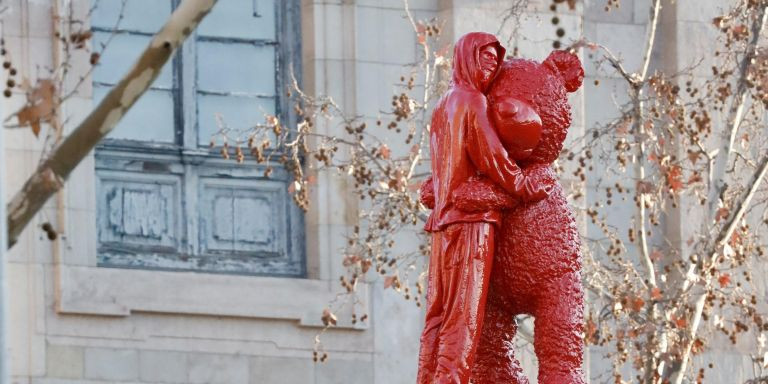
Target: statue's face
{"points": [[489, 64], [518, 126]]}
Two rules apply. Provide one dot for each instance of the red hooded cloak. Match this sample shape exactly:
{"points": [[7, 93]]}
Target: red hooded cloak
{"points": [[464, 143]]}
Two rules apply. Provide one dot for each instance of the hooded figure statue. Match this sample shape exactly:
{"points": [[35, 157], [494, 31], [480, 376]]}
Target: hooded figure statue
{"points": [[464, 144]]}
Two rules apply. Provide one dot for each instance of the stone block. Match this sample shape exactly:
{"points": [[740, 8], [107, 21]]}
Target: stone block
{"points": [[603, 102], [163, 366], [330, 79], [396, 354], [31, 18], [26, 341], [396, 46], [642, 11], [536, 36], [64, 361], [701, 10], [595, 11], [617, 216], [696, 44], [215, 369], [279, 370], [118, 292], [728, 367], [51, 380], [20, 380], [430, 5], [81, 244], [329, 43], [337, 371], [625, 41], [111, 364], [27, 54], [19, 164]]}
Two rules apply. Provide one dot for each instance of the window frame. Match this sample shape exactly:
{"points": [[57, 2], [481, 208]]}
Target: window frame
{"points": [[191, 162]]}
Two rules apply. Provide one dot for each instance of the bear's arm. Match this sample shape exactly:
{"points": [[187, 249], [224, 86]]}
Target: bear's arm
{"points": [[427, 193], [478, 194], [491, 159]]}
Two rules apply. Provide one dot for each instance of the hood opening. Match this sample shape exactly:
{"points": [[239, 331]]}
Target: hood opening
{"points": [[466, 58]]}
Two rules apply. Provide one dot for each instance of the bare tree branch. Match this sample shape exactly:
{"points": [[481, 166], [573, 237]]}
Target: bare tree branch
{"points": [[51, 174], [736, 111], [639, 129], [721, 242]]}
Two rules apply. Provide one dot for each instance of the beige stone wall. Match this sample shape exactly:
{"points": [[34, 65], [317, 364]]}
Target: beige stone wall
{"points": [[71, 322]]}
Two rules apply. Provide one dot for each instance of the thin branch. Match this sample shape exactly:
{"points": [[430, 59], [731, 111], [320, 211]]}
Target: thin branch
{"points": [[738, 103], [652, 27], [735, 116], [639, 123], [727, 232], [721, 242]]}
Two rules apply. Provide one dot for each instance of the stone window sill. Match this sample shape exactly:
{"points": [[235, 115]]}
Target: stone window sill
{"points": [[118, 292]]}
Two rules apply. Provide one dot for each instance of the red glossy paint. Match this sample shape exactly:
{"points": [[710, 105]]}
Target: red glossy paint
{"points": [[504, 240]]}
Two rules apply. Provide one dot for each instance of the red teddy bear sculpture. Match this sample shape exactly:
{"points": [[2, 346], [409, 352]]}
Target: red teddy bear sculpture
{"points": [[537, 260]]}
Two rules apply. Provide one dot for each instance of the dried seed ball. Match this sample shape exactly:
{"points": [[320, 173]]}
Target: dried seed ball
{"points": [[13, 72], [47, 226], [7, 93], [6, 64], [556, 44], [560, 32], [555, 20], [11, 83]]}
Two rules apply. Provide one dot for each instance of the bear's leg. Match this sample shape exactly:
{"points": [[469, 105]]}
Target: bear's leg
{"points": [[558, 329], [495, 362]]}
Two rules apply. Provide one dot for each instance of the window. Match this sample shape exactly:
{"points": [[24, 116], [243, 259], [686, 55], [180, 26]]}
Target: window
{"points": [[166, 200]]}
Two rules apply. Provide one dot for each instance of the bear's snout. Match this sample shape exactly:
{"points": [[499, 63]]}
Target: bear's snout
{"points": [[518, 126]]}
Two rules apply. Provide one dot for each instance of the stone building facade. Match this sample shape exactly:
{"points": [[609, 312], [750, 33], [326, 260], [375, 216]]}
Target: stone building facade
{"points": [[73, 318]]}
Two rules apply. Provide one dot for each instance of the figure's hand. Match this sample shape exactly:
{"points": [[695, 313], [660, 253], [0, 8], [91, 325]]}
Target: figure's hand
{"points": [[427, 193], [479, 194], [540, 181]]}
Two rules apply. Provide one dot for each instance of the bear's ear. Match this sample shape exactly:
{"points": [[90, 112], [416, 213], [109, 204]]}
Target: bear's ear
{"points": [[568, 66]]}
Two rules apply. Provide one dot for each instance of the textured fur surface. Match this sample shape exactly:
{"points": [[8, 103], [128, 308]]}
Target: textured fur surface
{"points": [[537, 261]]}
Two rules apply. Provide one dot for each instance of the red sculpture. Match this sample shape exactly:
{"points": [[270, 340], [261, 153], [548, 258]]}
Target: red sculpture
{"points": [[504, 241]]}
